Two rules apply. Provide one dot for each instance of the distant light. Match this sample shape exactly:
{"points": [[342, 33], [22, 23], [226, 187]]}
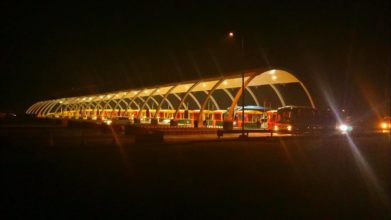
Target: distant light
{"points": [[158, 90], [231, 34], [145, 91], [272, 72], [275, 127], [289, 127], [384, 125], [343, 110], [203, 85], [274, 77], [84, 98], [135, 92], [225, 82], [108, 122], [60, 102], [90, 98], [186, 87], [101, 96]]}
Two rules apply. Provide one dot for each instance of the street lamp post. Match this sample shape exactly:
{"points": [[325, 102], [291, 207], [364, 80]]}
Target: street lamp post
{"points": [[242, 104], [231, 35]]}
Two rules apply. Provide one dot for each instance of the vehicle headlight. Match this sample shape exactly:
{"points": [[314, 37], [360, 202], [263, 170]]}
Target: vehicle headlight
{"points": [[289, 127], [108, 122], [345, 128]]}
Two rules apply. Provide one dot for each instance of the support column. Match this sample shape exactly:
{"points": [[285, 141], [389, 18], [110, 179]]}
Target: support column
{"points": [[228, 120]]}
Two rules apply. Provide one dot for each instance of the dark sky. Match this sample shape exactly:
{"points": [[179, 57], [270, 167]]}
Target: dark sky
{"points": [[58, 50]]}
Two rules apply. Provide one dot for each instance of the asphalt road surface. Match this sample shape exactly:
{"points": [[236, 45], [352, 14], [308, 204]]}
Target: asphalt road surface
{"points": [[324, 177]]}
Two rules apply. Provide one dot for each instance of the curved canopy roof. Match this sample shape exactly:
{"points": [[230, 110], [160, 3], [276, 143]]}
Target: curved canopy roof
{"points": [[255, 77]]}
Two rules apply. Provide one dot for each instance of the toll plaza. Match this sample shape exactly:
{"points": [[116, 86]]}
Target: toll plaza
{"points": [[208, 103]]}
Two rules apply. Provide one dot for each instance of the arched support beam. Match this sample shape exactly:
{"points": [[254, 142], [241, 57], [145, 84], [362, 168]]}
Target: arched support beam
{"points": [[237, 96], [195, 100], [71, 104], [308, 94], [132, 100], [128, 104], [92, 105], [154, 101], [28, 111], [280, 97], [42, 106], [213, 100], [168, 102], [99, 105], [38, 107], [98, 108], [200, 115], [79, 108], [107, 104], [72, 107], [252, 95], [161, 102], [68, 107], [84, 106], [59, 107], [179, 98], [184, 97], [145, 102], [76, 107], [87, 106], [46, 106], [229, 94], [119, 104], [46, 111], [50, 109]]}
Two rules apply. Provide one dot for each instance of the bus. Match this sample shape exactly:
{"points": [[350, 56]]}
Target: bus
{"points": [[300, 119], [295, 119]]}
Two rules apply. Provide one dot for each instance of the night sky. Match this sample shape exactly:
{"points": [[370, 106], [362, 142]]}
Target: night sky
{"points": [[341, 48]]}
